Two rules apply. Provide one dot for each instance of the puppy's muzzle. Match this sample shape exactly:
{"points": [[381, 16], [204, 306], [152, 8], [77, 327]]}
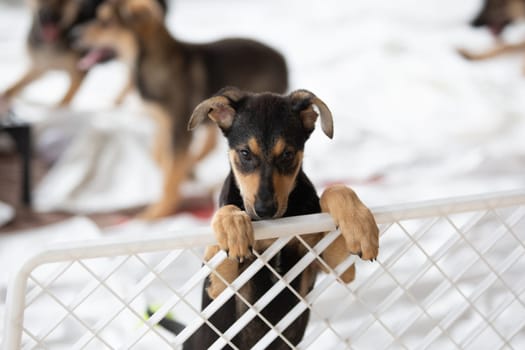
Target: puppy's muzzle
{"points": [[265, 208]]}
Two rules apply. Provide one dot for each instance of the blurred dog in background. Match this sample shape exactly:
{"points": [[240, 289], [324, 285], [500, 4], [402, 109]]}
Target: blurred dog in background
{"points": [[496, 15], [107, 36], [51, 45], [174, 76]]}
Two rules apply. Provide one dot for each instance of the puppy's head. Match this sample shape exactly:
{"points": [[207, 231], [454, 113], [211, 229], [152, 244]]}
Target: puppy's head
{"points": [[497, 14], [55, 18], [266, 134], [105, 37], [110, 34]]}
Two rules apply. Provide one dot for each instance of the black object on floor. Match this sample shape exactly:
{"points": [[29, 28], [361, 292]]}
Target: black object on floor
{"points": [[20, 132]]}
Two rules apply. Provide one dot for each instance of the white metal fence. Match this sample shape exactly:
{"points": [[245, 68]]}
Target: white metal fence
{"points": [[450, 274]]}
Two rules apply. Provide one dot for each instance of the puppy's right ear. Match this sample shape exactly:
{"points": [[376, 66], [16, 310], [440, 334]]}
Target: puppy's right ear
{"points": [[218, 108]]}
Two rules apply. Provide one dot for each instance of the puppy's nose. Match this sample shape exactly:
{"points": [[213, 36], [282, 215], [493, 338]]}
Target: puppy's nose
{"points": [[265, 209]]}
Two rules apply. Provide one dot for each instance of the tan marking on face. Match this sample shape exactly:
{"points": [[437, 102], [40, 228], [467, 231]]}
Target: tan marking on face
{"points": [[105, 12], [278, 148], [139, 7], [254, 147], [70, 11], [516, 9], [283, 184], [248, 183]]}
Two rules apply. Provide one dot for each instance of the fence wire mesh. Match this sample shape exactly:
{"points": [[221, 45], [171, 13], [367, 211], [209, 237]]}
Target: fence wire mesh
{"points": [[449, 275]]}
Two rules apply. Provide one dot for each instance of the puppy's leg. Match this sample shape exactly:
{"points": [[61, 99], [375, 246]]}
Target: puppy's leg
{"points": [[31, 75], [76, 79], [228, 270], [234, 233], [175, 174], [359, 232], [162, 149], [494, 52], [335, 254]]}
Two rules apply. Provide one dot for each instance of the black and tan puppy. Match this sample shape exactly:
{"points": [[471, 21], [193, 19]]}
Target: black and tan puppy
{"points": [[266, 134], [496, 15], [108, 36], [174, 76], [50, 43]]}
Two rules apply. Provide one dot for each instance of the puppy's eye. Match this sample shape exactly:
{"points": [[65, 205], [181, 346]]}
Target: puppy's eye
{"points": [[287, 156], [245, 154]]}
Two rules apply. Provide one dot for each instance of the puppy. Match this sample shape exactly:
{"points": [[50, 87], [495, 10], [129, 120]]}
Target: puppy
{"points": [[497, 15], [50, 44], [173, 76], [266, 135], [106, 35]]}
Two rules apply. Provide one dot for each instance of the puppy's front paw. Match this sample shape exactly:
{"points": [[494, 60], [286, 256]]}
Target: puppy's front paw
{"points": [[354, 219], [233, 231]]}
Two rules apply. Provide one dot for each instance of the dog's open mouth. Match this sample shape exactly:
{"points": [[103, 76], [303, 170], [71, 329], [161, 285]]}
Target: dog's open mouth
{"points": [[96, 56]]}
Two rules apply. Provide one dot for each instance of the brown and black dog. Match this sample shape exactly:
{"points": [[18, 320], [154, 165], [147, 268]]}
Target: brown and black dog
{"points": [[266, 134], [173, 76], [50, 43], [496, 15], [106, 35]]}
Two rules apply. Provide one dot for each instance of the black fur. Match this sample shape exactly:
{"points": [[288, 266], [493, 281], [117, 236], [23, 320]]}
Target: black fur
{"points": [[65, 41], [303, 200], [265, 117]]}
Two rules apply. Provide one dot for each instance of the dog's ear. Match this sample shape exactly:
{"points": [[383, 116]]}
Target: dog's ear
{"points": [[218, 108], [303, 102], [139, 11]]}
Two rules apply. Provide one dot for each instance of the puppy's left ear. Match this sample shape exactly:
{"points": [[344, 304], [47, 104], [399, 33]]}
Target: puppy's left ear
{"points": [[218, 108], [139, 11], [303, 102]]}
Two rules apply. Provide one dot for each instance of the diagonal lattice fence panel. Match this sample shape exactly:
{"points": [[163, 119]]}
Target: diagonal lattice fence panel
{"points": [[449, 275]]}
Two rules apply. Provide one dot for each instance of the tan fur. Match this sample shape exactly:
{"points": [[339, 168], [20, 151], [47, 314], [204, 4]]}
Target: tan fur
{"points": [[106, 32], [162, 152], [278, 147], [228, 270], [176, 76], [176, 170], [501, 49], [145, 14], [254, 147], [499, 11], [43, 60], [359, 235], [355, 221], [233, 231], [337, 253], [248, 183], [284, 184]]}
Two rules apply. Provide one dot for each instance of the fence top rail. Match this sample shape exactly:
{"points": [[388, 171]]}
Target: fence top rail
{"points": [[305, 224]]}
